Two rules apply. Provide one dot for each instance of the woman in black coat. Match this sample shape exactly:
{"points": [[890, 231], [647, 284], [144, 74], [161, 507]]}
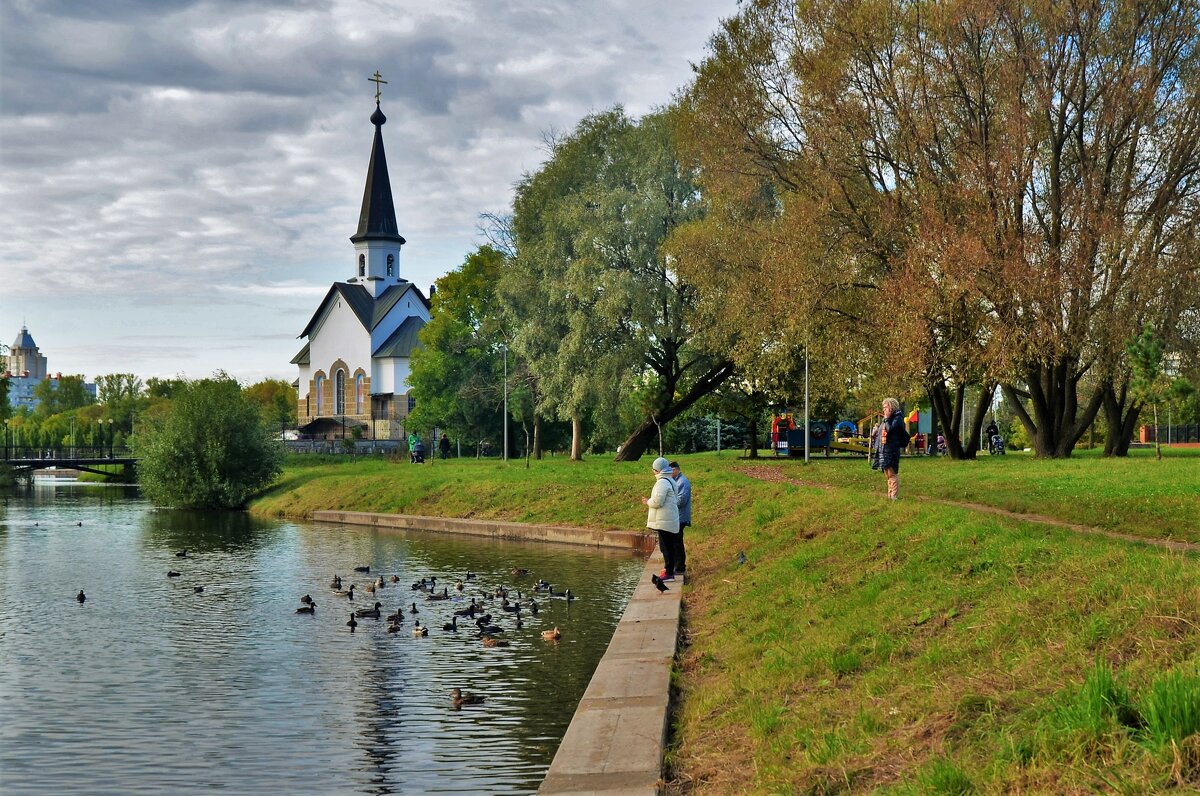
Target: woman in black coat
{"points": [[893, 436]]}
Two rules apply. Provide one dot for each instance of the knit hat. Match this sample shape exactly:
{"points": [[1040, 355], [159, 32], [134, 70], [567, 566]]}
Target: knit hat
{"points": [[660, 465]]}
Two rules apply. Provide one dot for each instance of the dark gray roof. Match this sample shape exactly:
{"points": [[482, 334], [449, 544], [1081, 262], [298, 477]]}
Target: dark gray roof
{"points": [[369, 311], [402, 341], [302, 357], [377, 219], [24, 340]]}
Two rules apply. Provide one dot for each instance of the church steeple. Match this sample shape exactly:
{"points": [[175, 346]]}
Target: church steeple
{"points": [[377, 241]]}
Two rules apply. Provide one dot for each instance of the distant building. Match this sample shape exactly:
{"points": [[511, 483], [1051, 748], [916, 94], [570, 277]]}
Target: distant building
{"points": [[26, 369], [354, 368]]}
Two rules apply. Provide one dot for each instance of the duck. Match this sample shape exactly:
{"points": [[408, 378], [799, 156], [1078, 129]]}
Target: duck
{"points": [[490, 630], [353, 623], [533, 607], [362, 569], [348, 593], [182, 553], [520, 572], [445, 595], [396, 617], [172, 573], [81, 597], [517, 616], [394, 627], [310, 608], [452, 625], [419, 631], [336, 583], [483, 620], [509, 607], [371, 588], [458, 585], [488, 641], [468, 611], [369, 613], [552, 635], [379, 584], [395, 578], [306, 599], [413, 610], [470, 576], [563, 595], [541, 585], [459, 698], [198, 589]]}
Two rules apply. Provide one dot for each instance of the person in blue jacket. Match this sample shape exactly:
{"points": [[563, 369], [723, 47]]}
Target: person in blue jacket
{"points": [[683, 488], [893, 437]]}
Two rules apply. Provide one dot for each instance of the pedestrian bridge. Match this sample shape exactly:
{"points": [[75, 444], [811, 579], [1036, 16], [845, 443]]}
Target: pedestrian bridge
{"points": [[86, 459]]}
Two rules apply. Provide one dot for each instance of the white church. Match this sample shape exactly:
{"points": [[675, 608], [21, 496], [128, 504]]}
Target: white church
{"points": [[354, 368]]}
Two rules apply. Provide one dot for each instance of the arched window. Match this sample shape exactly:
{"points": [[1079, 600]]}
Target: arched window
{"points": [[319, 389], [358, 394], [391, 265], [362, 265], [339, 393]]}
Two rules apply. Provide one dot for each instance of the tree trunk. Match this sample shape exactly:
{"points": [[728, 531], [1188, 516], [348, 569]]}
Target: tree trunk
{"points": [[752, 434], [576, 438], [537, 437], [1157, 449], [1121, 415], [948, 416], [1057, 422], [643, 436]]}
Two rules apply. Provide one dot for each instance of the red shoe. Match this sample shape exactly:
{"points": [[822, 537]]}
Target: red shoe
{"points": [[662, 574]]}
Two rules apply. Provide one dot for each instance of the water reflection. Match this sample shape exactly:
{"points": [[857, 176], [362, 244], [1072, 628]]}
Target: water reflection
{"points": [[151, 686]]}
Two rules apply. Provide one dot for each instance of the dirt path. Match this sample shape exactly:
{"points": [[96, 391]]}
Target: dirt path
{"points": [[764, 472]]}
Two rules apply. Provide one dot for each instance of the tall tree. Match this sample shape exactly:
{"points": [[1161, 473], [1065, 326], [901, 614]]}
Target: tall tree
{"points": [[61, 395], [599, 300], [276, 399]]}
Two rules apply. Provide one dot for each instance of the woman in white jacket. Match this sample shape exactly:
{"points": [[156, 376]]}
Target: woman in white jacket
{"points": [[663, 515]]}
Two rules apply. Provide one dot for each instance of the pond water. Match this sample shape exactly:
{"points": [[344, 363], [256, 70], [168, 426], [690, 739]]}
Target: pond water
{"points": [[150, 687]]}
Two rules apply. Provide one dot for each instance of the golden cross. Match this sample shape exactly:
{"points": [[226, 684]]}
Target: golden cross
{"points": [[377, 79]]}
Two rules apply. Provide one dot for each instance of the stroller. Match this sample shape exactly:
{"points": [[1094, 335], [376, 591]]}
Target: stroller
{"points": [[996, 445]]}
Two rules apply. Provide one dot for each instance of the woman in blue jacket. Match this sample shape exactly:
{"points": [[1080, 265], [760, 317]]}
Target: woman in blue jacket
{"points": [[893, 436]]}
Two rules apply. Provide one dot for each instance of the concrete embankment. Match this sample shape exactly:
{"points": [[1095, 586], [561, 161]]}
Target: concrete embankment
{"points": [[616, 739]]}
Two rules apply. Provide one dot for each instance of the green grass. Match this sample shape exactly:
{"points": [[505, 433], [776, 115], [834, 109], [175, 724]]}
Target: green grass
{"points": [[869, 646]]}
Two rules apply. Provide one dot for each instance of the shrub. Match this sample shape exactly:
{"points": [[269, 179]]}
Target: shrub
{"points": [[211, 448]]}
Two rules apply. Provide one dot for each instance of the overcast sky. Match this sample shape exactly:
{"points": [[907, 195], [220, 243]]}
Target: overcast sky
{"points": [[179, 180]]}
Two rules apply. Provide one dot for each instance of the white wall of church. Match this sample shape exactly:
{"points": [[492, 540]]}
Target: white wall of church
{"points": [[390, 375], [339, 335], [305, 375]]}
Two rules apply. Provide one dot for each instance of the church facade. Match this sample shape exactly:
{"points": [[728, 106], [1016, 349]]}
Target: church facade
{"points": [[354, 366]]}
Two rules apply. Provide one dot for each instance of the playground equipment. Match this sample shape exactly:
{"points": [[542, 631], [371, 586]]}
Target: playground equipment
{"points": [[845, 436]]}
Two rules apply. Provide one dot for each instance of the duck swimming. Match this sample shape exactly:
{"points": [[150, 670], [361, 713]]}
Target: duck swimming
{"points": [[452, 625], [310, 608], [198, 589], [369, 613], [182, 553], [306, 599], [362, 569], [489, 642], [172, 573], [458, 698], [419, 631], [353, 623], [80, 597], [395, 578], [552, 635], [336, 583], [414, 610], [445, 595], [349, 593], [393, 628]]}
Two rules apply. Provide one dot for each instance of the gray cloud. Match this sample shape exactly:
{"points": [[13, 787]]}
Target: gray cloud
{"points": [[161, 153]]}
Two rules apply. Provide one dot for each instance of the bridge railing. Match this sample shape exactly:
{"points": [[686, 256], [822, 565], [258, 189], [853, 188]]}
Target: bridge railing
{"points": [[63, 452]]}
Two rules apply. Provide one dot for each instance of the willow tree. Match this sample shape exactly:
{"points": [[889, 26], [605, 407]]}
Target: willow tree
{"points": [[1013, 184], [600, 309]]}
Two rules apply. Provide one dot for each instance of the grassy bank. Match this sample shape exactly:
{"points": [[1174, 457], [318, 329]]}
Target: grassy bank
{"points": [[914, 647]]}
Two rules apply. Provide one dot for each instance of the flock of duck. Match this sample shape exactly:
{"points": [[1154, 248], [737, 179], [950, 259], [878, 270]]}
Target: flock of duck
{"points": [[477, 613], [481, 616]]}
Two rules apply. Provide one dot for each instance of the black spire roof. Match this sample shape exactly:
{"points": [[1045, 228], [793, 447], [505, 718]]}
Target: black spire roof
{"points": [[377, 220]]}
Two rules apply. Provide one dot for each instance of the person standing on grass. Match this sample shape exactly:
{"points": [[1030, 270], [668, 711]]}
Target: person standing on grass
{"points": [[662, 515], [893, 436], [683, 488]]}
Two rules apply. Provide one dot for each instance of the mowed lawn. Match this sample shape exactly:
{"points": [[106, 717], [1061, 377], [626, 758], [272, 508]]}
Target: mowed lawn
{"points": [[911, 647]]}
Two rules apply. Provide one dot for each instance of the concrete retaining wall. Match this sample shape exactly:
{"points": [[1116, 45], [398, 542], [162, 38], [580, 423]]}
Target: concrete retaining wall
{"points": [[625, 540]]}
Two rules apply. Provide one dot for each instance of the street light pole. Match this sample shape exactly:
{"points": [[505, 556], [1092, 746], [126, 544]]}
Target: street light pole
{"points": [[505, 345]]}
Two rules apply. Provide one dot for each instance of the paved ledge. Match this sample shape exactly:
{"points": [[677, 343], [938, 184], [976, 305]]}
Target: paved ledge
{"points": [[615, 742], [625, 540]]}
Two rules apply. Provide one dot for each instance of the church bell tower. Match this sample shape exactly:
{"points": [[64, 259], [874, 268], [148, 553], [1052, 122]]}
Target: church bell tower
{"points": [[377, 242]]}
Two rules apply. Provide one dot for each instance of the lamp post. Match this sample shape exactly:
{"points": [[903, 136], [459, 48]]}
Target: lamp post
{"points": [[110, 438], [505, 347]]}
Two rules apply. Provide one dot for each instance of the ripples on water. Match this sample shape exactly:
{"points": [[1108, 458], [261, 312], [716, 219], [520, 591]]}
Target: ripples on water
{"points": [[149, 687]]}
